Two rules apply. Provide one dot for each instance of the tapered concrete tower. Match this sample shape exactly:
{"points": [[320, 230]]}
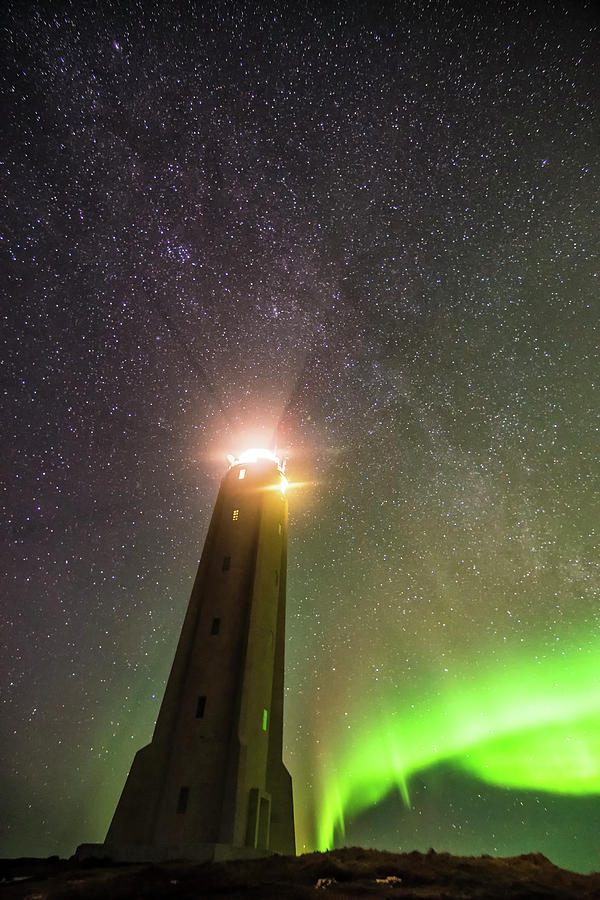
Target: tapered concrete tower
{"points": [[212, 783]]}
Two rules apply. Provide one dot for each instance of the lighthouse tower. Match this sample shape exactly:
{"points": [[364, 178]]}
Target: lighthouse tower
{"points": [[212, 783]]}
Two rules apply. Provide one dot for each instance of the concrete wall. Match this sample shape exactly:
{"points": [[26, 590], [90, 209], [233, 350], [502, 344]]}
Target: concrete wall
{"points": [[226, 762]]}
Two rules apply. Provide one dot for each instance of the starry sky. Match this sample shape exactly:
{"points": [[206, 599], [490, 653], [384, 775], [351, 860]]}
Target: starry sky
{"points": [[369, 233]]}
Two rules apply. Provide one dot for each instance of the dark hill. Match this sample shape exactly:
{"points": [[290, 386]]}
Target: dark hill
{"points": [[351, 872]]}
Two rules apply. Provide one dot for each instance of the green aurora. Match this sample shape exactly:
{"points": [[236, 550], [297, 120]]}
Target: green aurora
{"points": [[535, 727]]}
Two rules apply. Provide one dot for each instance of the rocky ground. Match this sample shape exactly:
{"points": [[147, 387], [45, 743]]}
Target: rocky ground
{"points": [[351, 872]]}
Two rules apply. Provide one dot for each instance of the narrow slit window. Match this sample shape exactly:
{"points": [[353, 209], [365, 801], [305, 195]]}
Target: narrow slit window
{"points": [[216, 626], [279, 527], [200, 708], [182, 800], [242, 474], [265, 720], [226, 563], [236, 515]]}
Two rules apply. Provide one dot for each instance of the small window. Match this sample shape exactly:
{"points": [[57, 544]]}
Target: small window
{"points": [[279, 527], [200, 707], [265, 720], [182, 800], [216, 625], [226, 563], [236, 515], [242, 474], [276, 577]]}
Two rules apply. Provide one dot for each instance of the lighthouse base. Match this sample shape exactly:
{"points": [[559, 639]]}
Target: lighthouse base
{"points": [[137, 853]]}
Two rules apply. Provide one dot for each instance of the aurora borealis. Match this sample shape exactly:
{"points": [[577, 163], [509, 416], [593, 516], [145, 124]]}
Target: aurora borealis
{"points": [[373, 232], [530, 731]]}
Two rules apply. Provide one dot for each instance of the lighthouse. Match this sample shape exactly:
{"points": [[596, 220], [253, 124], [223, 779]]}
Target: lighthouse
{"points": [[211, 784]]}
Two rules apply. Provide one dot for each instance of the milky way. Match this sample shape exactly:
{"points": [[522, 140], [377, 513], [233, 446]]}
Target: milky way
{"points": [[370, 234]]}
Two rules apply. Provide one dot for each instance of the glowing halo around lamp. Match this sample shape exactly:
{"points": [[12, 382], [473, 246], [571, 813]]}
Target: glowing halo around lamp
{"points": [[255, 454]]}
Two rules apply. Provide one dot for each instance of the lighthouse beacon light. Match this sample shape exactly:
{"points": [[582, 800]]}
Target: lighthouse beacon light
{"points": [[257, 454]]}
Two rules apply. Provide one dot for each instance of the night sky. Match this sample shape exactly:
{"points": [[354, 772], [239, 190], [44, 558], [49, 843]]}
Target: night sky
{"points": [[370, 234]]}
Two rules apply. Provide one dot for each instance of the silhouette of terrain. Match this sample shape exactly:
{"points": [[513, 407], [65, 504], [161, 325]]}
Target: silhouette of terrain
{"points": [[351, 872]]}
